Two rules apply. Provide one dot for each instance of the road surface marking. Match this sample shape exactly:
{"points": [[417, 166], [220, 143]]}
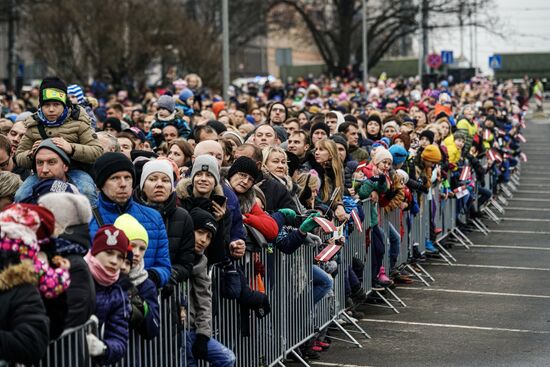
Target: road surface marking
{"points": [[528, 199], [335, 364], [454, 326], [525, 219], [519, 232], [478, 292], [527, 209], [514, 247], [492, 266]]}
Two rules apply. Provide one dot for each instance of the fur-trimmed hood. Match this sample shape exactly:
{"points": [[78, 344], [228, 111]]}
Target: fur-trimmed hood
{"points": [[183, 192], [17, 275]]}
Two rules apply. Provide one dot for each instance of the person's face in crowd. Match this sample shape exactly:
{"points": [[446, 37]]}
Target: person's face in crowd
{"points": [[265, 136], [322, 155], [419, 116], [136, 114], [16, 133], [16, 108], [106, 143], [352, 135], [203, 238], [157, 187], [332, 123], [125, 146], [110, 130], [163, 112], [297, 145], [147, 123], [257, 115], [5, 161], [238, 117], [203, 183], [459, 143], [212, 148], [209, 136], [291, 127], [241, 182], [176, 155], [373, 128], [444, 129], [384, 166], [276, 164], [398, 141], [406, 128], [50, 165], [489, 124], [469, 113], [317, 135], [341, 152], [245, 129], [111, 112], [278, 114], [138, 250], [118, 187], [126, 266], [302, 119], [52, 110], [111, 260], [170, 133], [424, 142], [147, 146], [389, 132]]}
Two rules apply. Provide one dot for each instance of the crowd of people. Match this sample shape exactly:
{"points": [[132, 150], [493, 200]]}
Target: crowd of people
{"points": [[108, 203]]}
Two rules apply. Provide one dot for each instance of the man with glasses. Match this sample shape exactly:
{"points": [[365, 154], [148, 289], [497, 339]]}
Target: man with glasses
{"points": [[276, 114]]}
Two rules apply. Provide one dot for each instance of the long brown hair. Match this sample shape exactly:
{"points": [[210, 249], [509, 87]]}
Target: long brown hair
{"points": [[337, 167]]}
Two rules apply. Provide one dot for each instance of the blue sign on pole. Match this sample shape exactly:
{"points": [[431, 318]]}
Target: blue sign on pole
{"points": [[447, 57], [495, 62]]}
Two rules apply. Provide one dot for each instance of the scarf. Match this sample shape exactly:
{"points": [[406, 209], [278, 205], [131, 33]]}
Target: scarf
{"points": [[60, 120], [100, 274], [170, 117], [138, 274]]}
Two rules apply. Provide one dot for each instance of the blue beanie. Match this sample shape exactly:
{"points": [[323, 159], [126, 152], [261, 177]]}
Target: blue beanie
{"points": [[76, 91], [387, 141], [399, 154], [185, 94]]}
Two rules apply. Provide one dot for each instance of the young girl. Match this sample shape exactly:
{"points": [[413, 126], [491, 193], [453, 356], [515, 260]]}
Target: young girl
{"points": [[105, 260]]}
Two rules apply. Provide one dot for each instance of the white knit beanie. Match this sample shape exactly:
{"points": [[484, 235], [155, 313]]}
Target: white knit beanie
{"points": [[68, 209], [154, 166]]}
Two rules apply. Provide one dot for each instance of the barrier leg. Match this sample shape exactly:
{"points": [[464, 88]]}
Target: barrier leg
{"points": [[388, 303], [395, 297], [357, 326], [299, 358], [350, 340], [416, 274], [497, 206], [425, 272], [480, 226], [444, 254], [459, 232], [491, 215]]}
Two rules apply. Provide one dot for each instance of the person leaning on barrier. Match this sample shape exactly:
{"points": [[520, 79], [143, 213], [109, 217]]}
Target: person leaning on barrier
{"points": [[9, 183]]}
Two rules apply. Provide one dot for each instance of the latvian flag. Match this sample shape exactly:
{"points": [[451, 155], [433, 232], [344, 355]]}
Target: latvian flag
{"points": [[466, 173], [326, 225], [328, 253], [494, 156], [521, 138], [460, 191], [486, 134], [523, 157], [501, 132], [356, 220]]}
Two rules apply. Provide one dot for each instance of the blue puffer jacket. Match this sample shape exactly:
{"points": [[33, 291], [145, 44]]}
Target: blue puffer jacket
{"points": [[157, 256], [112, 308]]}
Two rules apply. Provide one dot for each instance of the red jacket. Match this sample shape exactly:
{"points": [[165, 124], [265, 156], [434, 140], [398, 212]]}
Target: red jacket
{"points": [[260, 220]]}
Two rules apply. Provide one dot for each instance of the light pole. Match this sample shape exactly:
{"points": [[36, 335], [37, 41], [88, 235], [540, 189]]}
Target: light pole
{"points": [[365, 44], [225, 53]]}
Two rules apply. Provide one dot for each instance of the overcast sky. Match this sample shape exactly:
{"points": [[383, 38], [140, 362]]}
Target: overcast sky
{"points": [[526, 24]]}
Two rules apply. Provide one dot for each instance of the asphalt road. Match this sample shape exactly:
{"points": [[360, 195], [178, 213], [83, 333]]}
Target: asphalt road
{"points": [[492, 308]]}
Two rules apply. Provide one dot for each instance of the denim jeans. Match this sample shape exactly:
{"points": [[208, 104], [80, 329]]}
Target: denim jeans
{"points": [[80, 179], [322, 283], [377, 249], [218, 354], [395, 246]]}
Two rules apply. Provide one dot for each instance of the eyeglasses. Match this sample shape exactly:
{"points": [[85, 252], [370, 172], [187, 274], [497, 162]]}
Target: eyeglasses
{"points": [[278, 110], [244, 176]]}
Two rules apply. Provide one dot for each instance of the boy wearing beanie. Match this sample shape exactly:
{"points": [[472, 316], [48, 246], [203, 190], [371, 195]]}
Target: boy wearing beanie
{"points": [[142, 292], [200, 344], [167, 114]]}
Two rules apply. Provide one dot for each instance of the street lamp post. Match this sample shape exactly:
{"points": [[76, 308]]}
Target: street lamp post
{"points": [[365, 44], [225, 53]]}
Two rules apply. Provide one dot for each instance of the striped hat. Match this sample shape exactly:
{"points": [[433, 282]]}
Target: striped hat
{"points": [[76, 91]]}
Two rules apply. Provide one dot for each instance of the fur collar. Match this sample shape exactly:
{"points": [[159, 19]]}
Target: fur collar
{"points": [[182, 189], [16, 275]]}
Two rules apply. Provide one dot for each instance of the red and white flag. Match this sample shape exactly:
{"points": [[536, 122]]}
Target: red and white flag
{"points": [[326, 225], [460, 191], [521, 138], [523, 157], [328, 253], [466, 173], [486, 134], [357, 220]]}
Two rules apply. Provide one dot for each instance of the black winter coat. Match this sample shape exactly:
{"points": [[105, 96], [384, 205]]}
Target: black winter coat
{"points": [[276, 195], [24, 324]]}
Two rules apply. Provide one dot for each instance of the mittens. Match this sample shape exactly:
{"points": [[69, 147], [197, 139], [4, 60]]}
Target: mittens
{"points": [[288, 213], [200, 347], [312, 240], [309, 224], [96, 347]]}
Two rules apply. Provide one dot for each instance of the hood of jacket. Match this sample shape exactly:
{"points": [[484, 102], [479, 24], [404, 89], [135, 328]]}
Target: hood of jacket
{"points": [[16, 275], [184, 189]]}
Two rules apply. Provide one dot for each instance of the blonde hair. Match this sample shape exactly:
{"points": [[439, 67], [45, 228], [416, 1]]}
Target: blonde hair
{"points": [[266, 152], [10, 184], [337, 167]]}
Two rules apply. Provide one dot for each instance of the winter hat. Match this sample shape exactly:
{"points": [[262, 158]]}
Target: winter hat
{"points": [[45, 187], [23, 116], [206, 163], [68, 209], [405, 138], [218, 126], [21, 214], [427, 134], [110, 238], [113, 123], [110, 163], [203, 220], [431, 154], [162, 166], [404, 175], [75, 90], [391, 123], [167, 103], [48, 144], [376, 118], [460, 134], [18, 226], [218, 107], [340, 139], [245, 165], [132, 228], [281, 133], [380, 155], [320, 126], [52, 89], [185, 94], [399, 154]]}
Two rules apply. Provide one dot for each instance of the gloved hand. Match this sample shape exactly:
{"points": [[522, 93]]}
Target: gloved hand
{"points": [[96, 347], [154, 276], [264, 310], [288, 213], [309, 224], [312, 240], [200, 347]]}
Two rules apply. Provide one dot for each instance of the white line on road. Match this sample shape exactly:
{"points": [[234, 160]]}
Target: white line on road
{"points": [[528, 199], [514, 247], [532, 192], [335, 364], [457, 326], [492, 267], [478, 292], [525, 219], [527, 209], [519, 232]]}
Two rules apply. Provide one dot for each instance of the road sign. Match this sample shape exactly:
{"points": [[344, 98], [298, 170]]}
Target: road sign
{"points": [[495, 62], [433, 61], [447, 57]]}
